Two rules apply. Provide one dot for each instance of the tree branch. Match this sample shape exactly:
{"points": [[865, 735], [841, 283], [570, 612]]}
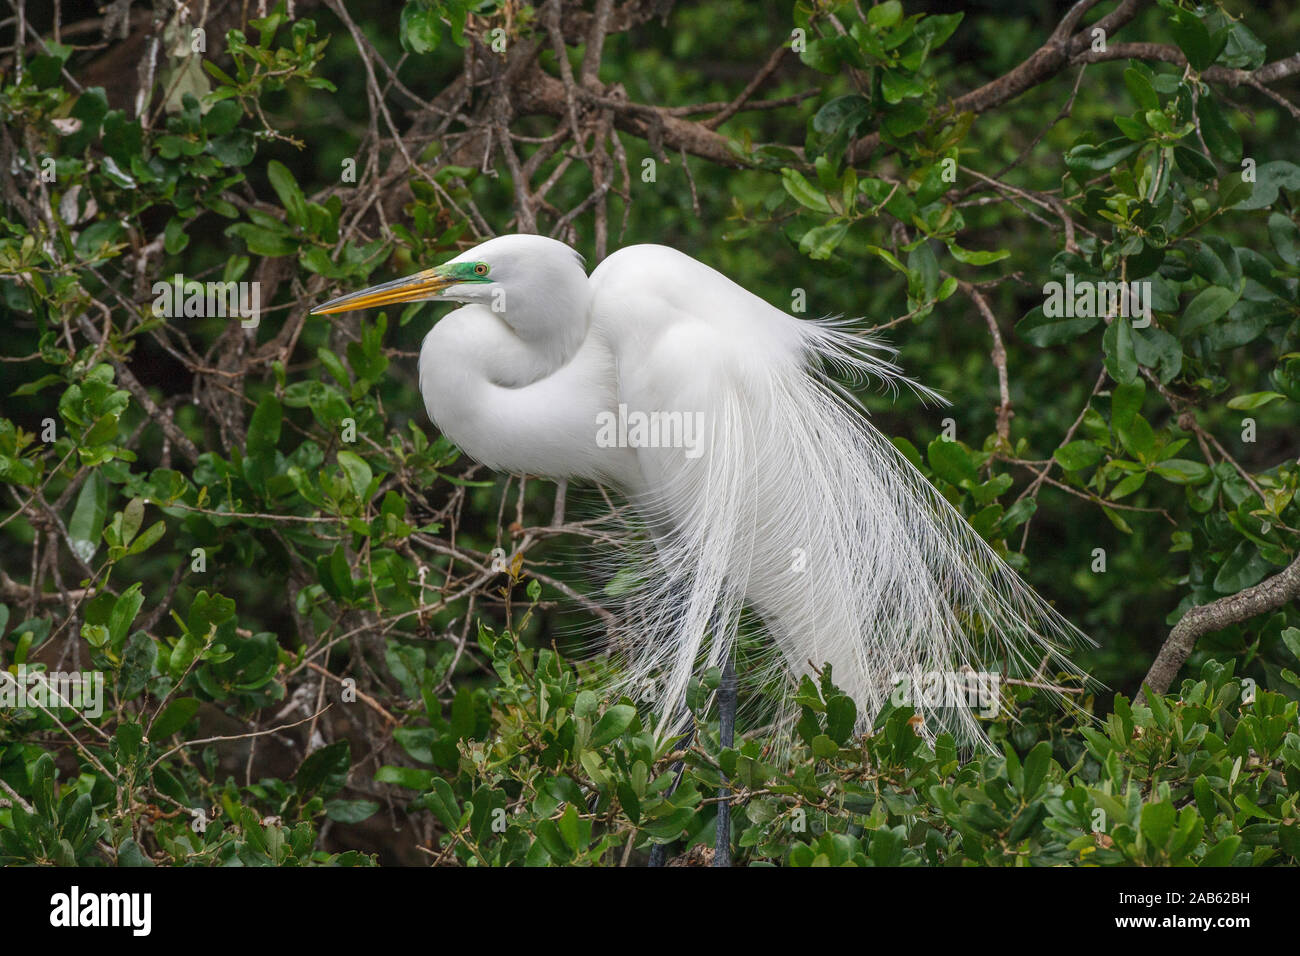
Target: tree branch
{"points": [[1167, 53], [1044, 63], [999, 355], [1269, 595], [543, 93]]}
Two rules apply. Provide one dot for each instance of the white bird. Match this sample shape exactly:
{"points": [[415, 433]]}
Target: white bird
{"points": [[760, 480]]}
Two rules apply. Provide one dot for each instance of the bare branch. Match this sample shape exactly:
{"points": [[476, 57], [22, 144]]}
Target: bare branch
{"points": [[1043, 64], [1269, 595]]}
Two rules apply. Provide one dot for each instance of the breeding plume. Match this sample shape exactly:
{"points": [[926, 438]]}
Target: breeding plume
{"points": [[757, 478]]}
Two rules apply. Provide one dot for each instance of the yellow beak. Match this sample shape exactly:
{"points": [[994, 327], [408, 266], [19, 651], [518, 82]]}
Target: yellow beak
{"points": [[413, 288]]}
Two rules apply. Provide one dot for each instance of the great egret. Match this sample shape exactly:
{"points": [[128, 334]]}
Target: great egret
{"points": [[760, 480]]}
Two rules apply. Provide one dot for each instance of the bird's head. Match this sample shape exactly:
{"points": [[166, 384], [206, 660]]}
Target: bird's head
{"points": [[519, 277]]}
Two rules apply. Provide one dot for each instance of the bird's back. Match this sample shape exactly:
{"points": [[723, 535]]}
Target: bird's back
{"points": [[791, 502], [643, 291]]}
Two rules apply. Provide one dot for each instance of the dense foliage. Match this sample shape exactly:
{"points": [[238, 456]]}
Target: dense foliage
{"points": [[326, 638]]}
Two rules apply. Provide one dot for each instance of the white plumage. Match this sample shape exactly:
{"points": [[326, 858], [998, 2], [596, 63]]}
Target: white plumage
{"points": [[791, 504]]}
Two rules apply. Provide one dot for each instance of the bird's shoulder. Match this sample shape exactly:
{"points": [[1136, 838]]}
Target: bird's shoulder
{"points": [[656, 265], [657, 304]]}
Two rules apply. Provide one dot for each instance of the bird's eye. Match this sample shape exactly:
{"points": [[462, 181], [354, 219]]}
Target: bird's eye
{"points": [[481, 269]]}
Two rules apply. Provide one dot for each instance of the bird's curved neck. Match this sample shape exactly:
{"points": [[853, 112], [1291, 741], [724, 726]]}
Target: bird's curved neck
{"points": [[550, 324], [512, 407]]}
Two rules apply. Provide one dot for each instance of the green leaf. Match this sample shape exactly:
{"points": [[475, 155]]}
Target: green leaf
{"points": [[841, 715], [1120, 359], [573, 831], [1182, 471], [1291, 638], [836, 123], [1253, 400], [1140, 88], [1244, 50], [1194, 39], [316, 259], [1269, 178], [1138, 437], [1037, 328], [419, 28], [148, 538], [824, 748], [1116, 519], [236, 148], [263, 436], [1194, 164], [1078, 455], [87, 524], [951, 461], [885, 15], [1286, 238], [176, 716], [1244, 567], [1223, 141], [612, 724], [413, 778], [935, 30], [1157, 349], [1125, 402], [976, 257], [889, 258], [1037, 762], [1085, 159], [1157, 822], [896, 86], [223, 117], [804, 192], [324, 769], [286, 187], [350, 811], [442, 801], [125, 608], [45, 69], [32, 387], [174, 237], [263, 242], [1128, 485], [129, 735], [1221, 853], [358, 472], [334, 366], [1209, 306], [820, 241]]}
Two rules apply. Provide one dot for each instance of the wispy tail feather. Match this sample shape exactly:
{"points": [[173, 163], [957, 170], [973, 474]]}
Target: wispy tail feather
{"points": [[800, 508]]}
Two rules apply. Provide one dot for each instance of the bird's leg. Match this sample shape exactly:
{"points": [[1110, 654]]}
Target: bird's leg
{"points": [[561, 489], [726, 737], [659, 852]]}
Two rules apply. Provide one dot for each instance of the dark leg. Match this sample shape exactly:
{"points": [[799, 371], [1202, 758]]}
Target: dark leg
{"points": [[727, 735], [659, 852]]}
